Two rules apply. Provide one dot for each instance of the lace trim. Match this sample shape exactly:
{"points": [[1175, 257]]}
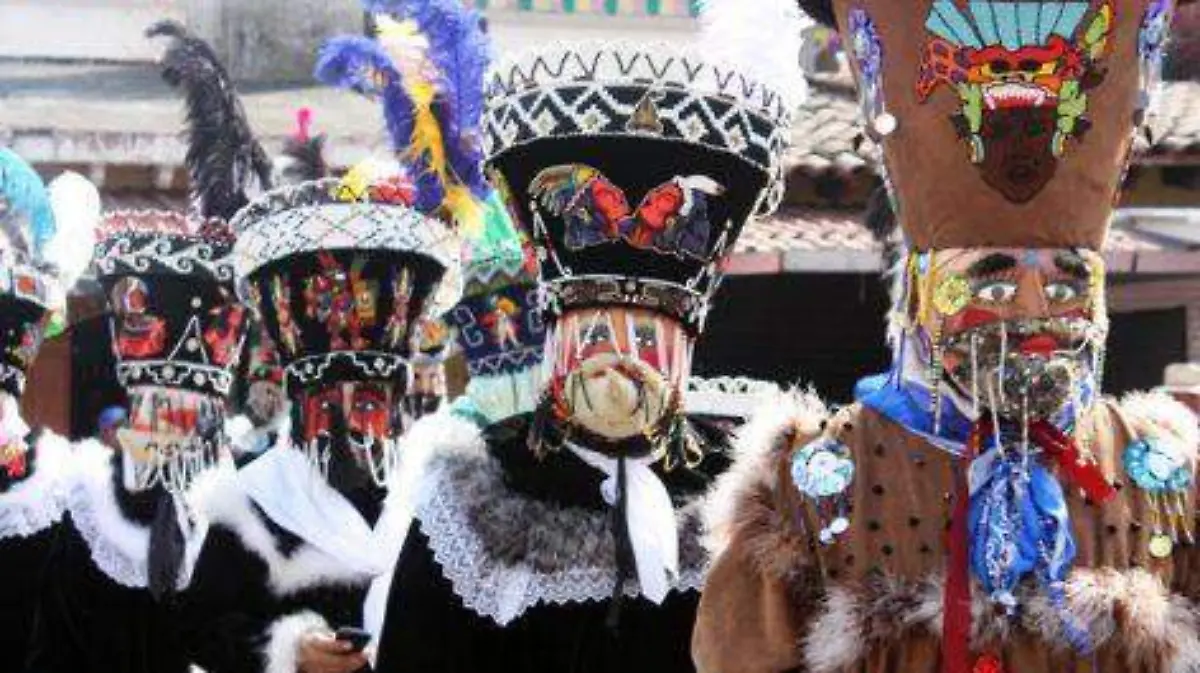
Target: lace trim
{"points": [[119, 547], [36, 503], [501, 590]]}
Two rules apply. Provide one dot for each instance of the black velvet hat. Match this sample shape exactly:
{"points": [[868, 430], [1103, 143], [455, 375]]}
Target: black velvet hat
{"points": [[341, 284], [634, 170], [169, 282]]}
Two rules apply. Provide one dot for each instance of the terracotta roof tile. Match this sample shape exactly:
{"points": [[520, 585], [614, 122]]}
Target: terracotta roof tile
{"points": [[827, 136]]}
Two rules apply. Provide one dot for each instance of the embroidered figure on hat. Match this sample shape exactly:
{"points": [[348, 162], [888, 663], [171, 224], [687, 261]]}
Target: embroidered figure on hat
{"points": [[502, 321], [140, 333], [289, 332], [397, 325], [672, 218], [1023, 72]]}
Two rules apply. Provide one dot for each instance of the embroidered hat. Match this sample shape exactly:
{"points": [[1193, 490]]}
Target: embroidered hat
{"points": [[634, 166], [1004, 124], [168, 276], [498, 324], [45, 237]]}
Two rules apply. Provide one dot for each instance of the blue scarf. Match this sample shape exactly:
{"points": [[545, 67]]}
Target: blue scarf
{"points": [[1018, 522]]}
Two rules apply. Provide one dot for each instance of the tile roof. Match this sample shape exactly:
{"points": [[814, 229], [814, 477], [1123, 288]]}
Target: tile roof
{"points": [[827, 137]]}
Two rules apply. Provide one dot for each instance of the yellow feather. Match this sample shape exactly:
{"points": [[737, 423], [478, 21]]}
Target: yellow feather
{"points": [[466, 210]]}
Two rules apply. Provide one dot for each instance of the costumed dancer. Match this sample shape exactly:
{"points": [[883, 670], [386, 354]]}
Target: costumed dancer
{"points": [[46, 238], [983, 507], [567, 539], [498, 324], [296, 568], [132, 530], [263, 410], [427, 390]]}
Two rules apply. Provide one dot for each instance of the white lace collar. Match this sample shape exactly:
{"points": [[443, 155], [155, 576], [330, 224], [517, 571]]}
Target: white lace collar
{"points": [[34, 504], [119, 547], [504, 552]]}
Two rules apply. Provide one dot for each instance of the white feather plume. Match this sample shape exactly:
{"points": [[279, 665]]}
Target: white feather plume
{"points": [[761, 39], [76, 205]]}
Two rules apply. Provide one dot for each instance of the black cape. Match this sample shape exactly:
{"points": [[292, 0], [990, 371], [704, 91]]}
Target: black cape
{"points": [[257, 588], [30, 512], [97, 616], [489, 505]]}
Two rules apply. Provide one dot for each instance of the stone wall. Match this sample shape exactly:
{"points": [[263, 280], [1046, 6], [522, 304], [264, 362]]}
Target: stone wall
{"points": [[271, 41]]}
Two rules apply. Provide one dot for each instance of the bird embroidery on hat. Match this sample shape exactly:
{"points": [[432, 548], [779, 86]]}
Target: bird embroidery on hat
{"points": [[672, 218]]}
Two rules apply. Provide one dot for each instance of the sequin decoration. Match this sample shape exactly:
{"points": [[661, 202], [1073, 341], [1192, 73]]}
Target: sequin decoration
{"points": [[1157, 467], [1163, 474], [868, 54], [822, 468], [823, 471], [952, 295]]}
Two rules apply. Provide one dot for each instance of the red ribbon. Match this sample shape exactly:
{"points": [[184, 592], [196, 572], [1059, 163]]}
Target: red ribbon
{"points": [[956, 603], [1060, 446]]}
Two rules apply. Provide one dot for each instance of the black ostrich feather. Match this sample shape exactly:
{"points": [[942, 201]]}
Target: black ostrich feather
{"points": [[820, 11], [223, 157], [303, 160]]}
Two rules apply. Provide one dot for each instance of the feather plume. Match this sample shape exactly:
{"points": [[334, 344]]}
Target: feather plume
{"points": [[732, 35], [76, 206], [224, 159], [26, 220], [427, 69], [303, 157]]}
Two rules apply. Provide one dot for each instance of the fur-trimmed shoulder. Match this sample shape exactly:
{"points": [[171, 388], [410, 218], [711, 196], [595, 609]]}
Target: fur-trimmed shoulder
{"points": [[757, 450], [36, 503], [1156, 415], [224, 503]]}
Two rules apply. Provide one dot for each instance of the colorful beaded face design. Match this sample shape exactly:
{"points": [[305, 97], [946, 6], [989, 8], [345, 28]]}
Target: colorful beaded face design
{"points": [[617, 371], [1017, 331], [172, 435], [1022, 72]]}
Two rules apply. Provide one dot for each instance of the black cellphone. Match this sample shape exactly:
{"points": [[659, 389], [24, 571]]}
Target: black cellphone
{"points": [[356, 637]]}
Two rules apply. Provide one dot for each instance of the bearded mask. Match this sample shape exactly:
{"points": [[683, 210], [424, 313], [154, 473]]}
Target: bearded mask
{"points": [[618, 371], [172, 436], [1019, 332], [349, 430]]}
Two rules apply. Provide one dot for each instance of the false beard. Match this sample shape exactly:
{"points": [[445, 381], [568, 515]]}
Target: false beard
{"points": [[997, 374], [616, 396]]}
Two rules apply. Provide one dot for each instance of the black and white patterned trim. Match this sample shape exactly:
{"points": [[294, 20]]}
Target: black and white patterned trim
{"points": [[309, 217], [685, 304], [506, 362], [163, 252], [175, 374], [594, 89], [367, 364]]}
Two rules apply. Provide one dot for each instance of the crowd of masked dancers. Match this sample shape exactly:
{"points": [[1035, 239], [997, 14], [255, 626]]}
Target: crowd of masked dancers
{"points": [[560, 218]]}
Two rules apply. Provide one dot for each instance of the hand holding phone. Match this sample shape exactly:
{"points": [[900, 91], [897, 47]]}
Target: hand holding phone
{"points": [[357, 638]]}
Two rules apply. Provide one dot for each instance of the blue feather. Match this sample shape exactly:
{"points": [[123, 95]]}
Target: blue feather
{"points": [[27, 218], [460, 52], [361, 64]]}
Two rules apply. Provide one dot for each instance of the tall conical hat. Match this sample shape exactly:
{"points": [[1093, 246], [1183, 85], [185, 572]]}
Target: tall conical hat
{"points": [[1004, 123]]}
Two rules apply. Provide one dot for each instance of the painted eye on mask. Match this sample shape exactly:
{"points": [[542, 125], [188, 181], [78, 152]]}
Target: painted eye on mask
{"points": [[996, 292], [1061, 293]]}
